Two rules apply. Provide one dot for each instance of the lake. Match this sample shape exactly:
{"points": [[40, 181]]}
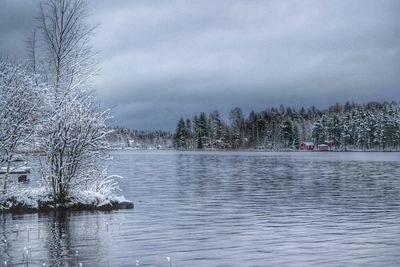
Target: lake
{"points": [[226, 209]]}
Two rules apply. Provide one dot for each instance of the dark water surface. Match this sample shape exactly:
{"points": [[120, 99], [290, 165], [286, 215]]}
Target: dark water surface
{"points": [[227, 209]]}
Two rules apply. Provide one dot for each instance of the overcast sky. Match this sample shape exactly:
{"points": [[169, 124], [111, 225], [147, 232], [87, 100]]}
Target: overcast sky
{"points": [[161, 60]]}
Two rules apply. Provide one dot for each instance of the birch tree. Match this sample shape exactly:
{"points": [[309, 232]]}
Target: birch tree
{"points": [[67, 61], [75, 131]]}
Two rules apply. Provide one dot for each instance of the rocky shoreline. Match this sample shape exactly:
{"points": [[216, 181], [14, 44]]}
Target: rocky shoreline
{"points": [[20, 205]]}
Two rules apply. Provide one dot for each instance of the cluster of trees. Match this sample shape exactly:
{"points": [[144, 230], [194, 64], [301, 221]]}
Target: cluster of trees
{"points": [[372, 126], [46, 103], [127, 138]]}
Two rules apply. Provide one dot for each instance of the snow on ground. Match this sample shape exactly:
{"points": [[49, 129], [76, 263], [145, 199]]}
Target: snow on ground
{"points": [[38, 199]]}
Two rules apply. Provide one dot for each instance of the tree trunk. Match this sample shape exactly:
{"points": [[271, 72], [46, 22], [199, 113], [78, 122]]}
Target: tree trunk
{"points": [[5, 179]]}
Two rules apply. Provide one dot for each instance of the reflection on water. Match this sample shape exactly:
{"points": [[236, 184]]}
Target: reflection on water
{"points": [[226, 209], [55, 239]]}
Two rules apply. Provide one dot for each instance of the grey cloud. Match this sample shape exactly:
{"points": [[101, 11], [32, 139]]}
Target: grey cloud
{"points": [[16, 18], [164, 59]]}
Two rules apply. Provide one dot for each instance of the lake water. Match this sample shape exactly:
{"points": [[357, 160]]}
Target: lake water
{"points": [[227, 209]]}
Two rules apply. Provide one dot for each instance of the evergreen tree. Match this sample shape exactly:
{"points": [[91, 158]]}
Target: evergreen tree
{"points": [[201, 131], [296, 139], [237, 126], [318, 132], [215, 129], [180, 138], [287, 133], [189, 134]]}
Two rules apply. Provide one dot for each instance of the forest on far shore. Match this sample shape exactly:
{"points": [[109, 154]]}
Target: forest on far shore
{"points": [[352, 126]]}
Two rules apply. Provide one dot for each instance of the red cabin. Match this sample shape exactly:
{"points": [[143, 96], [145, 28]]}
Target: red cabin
{"points": [[323, 147], [307, 146]]}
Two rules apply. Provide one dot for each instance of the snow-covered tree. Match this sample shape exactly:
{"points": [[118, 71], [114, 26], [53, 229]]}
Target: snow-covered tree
{"points": [[215, 129], [64, 57], [237, 125], [21, 103], [189, 132], [287, 133], [318, 132], [75, 144], [201, 131], [74, 136], [181, 135]]}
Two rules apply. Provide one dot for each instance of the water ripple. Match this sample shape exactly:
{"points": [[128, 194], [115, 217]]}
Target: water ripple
{"points": [[227, 209]]}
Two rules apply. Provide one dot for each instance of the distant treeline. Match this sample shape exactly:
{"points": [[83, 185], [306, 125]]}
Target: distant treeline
{"points": [[126, 138], [372, 126]]}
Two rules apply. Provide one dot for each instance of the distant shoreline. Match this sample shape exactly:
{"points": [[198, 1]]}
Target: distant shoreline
{"points": [[251, 150]]}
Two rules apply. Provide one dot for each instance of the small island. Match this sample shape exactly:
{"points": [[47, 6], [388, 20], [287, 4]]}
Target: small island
{"points": [[48, 111]]}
